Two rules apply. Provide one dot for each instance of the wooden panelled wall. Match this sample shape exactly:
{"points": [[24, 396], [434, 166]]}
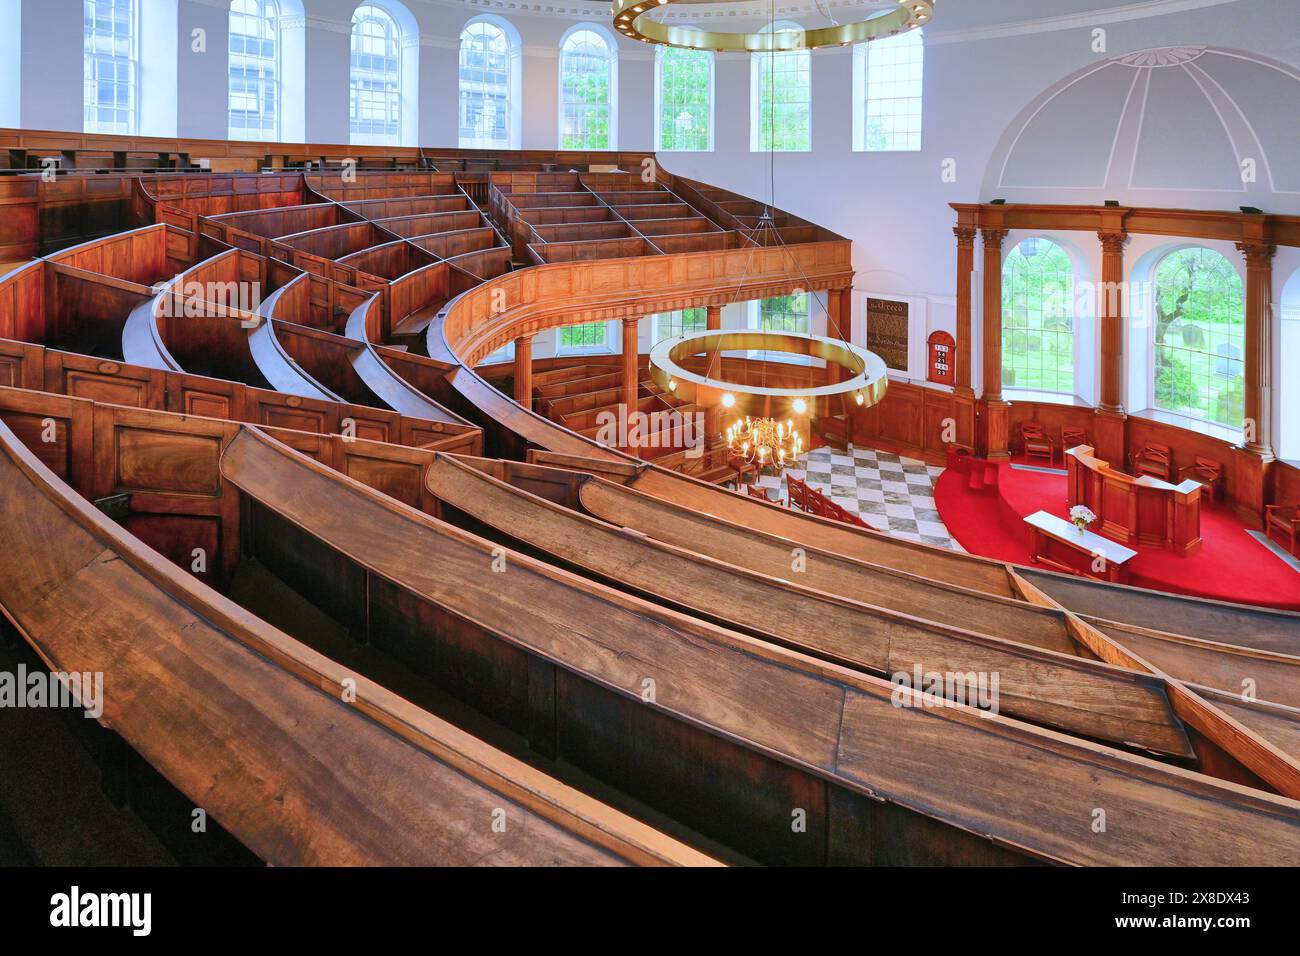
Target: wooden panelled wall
{"points": [[920, 421]]}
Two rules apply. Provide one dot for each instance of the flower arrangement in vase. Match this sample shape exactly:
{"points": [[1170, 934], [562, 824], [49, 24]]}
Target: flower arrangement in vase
{"points": [[1082, 516]]}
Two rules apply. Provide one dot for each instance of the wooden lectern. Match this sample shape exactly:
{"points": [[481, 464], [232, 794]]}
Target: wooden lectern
{"points": [[1142, 510]]}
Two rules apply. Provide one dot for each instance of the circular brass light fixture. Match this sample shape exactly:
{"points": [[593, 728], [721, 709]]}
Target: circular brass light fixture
{"points": [[866, 383], [631, 21]]}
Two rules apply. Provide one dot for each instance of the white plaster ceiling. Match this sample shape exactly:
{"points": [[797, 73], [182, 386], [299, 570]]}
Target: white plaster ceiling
{"points": [[1171, 118]]}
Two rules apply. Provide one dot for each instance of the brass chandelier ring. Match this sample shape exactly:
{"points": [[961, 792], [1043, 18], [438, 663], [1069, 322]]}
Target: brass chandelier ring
{"points": [[631, 21], [866, 384]]}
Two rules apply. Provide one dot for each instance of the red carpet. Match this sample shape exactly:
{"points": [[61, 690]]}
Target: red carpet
{"points": [[1230, 566]]}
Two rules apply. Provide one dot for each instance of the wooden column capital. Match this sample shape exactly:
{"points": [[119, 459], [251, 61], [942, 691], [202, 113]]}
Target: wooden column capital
{"points": [[1258, 255], [992, 238], [1112, 243], [965, 236]]}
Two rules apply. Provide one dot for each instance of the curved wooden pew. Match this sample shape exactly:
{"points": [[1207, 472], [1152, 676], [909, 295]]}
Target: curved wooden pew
{"points": [[186, 670], [1267, 676], [766, 553], [843, 726], [1056, 689], [1262, 628]]}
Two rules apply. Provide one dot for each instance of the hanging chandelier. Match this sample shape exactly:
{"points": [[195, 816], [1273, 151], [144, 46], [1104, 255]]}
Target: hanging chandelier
{"points": [[765, 441], [632, 19]]}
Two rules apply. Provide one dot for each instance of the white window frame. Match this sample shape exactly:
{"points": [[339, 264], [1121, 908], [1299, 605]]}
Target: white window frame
{"points": [[878, 75], [513, 95], [369, 137], [612, 344], [131, 60], [274, 133], [660, 52], [756, 60], [611, 61]]}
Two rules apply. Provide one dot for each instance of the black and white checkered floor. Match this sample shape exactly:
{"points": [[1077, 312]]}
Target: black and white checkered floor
{"points": [[888, 492]]}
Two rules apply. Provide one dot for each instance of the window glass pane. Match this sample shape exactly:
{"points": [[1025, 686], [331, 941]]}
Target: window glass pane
{"points": [[484, 87], [685, 98], [585, 89], [893, 100], [254, 68], [785, 313], [669, 325], [1200, 337], [1038, 318], [375, 107], [784, 100], [589, 335], [110, 66]]}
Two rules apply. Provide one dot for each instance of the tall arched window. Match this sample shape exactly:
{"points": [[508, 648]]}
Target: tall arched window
{"points": [[1038, 318], [588, 65], [375, 111], [111, 61], [1199, 335], [887, 85], [781, 98], [254, 70], [487, 87], [684, 99]]}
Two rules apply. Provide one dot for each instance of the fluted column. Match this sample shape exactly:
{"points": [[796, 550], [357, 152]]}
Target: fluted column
{"points": [[992, 363], [713, 369], [1257, 424], [965, 266], [1112, 317], [524, 371], [630, 371], [996, 418], [713, 322]]}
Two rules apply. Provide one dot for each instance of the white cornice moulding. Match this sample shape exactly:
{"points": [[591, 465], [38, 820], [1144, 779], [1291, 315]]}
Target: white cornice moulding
{"points": [[936, 34], [1074, 21]]}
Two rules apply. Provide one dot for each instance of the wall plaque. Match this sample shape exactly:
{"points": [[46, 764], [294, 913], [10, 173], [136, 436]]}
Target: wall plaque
{"points": [[887, 332]]}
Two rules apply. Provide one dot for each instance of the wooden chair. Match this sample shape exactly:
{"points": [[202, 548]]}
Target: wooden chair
{"points": [[756, 492], [1208, 472], [1072, 437], [797, 492], [742, 468], [1036, 443], [818, 503], [1285, 519], [1153, 459]]}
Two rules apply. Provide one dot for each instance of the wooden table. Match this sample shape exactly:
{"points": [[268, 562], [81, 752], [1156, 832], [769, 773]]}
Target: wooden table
{"points": [[1058, 544]]}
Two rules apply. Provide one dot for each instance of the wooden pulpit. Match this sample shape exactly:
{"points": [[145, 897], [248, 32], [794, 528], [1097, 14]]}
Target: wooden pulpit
{"points": [[1135, 510]]}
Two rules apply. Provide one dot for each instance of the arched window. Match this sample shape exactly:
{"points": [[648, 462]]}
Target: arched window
{"points": [[1038, 318], [684, 94], [254, 70], [488, 88], [1199, 336], [669, 325], [375, 111], [887, 83], [781, 98], [1287, 433], [111, 46], [786, 313], [588, 65]]}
